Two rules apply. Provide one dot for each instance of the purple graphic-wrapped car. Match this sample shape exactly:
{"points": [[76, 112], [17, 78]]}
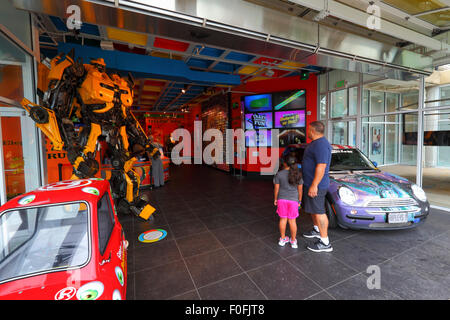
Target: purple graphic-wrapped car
{"points": [[361, 196]]}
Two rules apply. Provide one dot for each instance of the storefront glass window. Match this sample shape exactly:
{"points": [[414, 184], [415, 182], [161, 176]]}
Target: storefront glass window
{"points": [[392, 102], [365, 102], [352, 133], [392, 139], [15, 72], [445, 94], [376, 102], [340, 133], [410, 100], [323, 107], [352, 101], [338, 104], [376, 139], [409, 143], [365, 136]]}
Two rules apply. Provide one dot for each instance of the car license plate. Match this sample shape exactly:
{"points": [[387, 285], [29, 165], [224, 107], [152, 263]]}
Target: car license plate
{"points": [[397, 217]]}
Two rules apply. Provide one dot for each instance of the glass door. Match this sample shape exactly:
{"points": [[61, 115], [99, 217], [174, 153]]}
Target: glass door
{"points": [[343, 132], [19, 147], [19, 157]]}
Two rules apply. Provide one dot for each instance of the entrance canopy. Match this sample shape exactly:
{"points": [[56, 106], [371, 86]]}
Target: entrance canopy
{"points": [[227, 41]]}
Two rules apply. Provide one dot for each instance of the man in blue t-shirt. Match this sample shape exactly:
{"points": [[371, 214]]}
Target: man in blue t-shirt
{"points": [[315, 168]]}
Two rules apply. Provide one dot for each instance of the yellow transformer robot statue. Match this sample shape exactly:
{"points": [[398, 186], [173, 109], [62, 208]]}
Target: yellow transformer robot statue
{"points": [[102, 102]]}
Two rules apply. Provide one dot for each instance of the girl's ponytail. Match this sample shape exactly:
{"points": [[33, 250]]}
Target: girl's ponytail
{"points": [[294, 173]]}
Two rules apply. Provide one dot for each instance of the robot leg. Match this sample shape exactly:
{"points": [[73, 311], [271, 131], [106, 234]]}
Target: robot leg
{"points": [[139, 205], [128, 201]]}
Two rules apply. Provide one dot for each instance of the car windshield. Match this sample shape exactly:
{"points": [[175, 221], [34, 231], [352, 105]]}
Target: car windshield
{"points": [[43, 239], [349, 159]]}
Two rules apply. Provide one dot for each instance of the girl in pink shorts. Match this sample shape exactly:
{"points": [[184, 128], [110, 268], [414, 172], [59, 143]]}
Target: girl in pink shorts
{"points": [[288, 196]]}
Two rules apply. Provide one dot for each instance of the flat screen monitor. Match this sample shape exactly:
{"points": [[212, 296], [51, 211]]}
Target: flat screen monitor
{"points": [[258, 103], [289, 100], [292, 136], [258, 138], [289, 119], [261, 120]]}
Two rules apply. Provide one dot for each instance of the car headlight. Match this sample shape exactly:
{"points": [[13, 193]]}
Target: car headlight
{"points": [[419, 193], [347, 195]]}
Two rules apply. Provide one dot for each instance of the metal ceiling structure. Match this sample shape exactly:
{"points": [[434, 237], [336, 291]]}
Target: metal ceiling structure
{"points": [[356, 13], [160, 94], [255, 39], [416, 25]]}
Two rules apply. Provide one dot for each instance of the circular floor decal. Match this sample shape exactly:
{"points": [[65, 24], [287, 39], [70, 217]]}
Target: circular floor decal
{"points": [[152, 235]]}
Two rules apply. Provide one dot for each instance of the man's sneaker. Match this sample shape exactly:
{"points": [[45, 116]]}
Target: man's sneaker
{"points": [[294, 244], [312, 234], [319, 246], [282, 241]]}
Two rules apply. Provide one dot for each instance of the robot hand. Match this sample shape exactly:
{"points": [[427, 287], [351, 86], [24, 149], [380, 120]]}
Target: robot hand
{"points": [[153, 151], [156, 154]]}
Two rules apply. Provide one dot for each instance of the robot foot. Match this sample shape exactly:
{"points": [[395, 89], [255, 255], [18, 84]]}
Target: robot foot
{"points": [[139, 208], [143, 213]]}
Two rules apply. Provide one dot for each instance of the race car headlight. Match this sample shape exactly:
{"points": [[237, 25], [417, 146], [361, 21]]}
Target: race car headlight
{"points": [[347, 196], [419, 193]]}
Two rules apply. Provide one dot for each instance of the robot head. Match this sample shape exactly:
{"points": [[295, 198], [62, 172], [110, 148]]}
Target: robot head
{"points": [[99, 64]]}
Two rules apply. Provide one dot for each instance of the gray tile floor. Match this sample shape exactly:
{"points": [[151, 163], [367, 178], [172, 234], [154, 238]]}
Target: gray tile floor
{"points": [[222, 244]]}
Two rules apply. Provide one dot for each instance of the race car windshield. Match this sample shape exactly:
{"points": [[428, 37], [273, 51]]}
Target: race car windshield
{"points": [[43, 239], [349, 160]]}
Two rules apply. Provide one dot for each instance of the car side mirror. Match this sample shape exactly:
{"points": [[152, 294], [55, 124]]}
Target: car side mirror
{"points": [[375, 163]]}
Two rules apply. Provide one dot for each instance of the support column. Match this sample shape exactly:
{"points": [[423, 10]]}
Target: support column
{"points": [[420, 126], [358, 113]]}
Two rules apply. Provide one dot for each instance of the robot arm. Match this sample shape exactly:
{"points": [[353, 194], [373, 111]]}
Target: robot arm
{"points": [[46, 121], [53, 117], [139, 141]]}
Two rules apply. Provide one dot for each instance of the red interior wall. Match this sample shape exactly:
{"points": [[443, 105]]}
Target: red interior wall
{"points": [[163, 127], [269, 86]]}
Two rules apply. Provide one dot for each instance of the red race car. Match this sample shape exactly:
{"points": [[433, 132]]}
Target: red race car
{"points": [[63, 241]]}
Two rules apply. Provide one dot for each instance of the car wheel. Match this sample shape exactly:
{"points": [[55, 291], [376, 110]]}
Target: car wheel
{"points": [[332, 219]]}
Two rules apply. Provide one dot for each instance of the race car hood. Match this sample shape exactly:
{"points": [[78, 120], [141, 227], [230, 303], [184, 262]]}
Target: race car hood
{"points": [[374, 185]]}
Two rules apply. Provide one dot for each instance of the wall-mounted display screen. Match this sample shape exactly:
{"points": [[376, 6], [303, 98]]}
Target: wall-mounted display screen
{"points": [[289, 100], [258, 103], [281, 110], [258, 138], [292, 136], [289, 119], [261, 120]]}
